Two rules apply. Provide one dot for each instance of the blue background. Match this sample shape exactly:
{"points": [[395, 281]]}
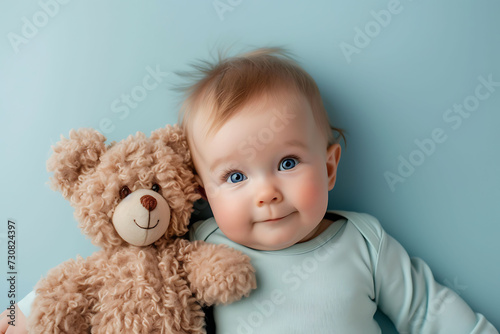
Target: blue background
{"points": [[392, 88]]}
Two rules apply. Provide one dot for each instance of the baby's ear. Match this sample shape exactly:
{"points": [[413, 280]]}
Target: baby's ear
{"points": [[332, 162], [73, 157], [174, 137]]}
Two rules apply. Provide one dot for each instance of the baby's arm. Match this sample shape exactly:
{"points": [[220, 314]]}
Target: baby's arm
{"points": [[8, 327], [407, 293], [22, 310]]}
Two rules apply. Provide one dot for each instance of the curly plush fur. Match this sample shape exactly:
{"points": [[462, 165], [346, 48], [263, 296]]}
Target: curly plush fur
{"points": [[123, 288]]}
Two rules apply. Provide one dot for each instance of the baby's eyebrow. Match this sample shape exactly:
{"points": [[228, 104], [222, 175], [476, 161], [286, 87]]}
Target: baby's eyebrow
{"points": [[218, 162], [295, 142]]}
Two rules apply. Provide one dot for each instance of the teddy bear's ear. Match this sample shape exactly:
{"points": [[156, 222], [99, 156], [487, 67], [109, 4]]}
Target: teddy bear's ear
{"points": [[76, 156], [174, 137]]}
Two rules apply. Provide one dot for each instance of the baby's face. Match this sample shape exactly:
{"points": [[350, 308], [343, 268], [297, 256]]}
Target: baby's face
{"points": [[266, 173]]}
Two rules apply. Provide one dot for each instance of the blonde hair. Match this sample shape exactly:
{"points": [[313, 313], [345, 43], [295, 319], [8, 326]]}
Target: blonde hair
{"points": [[225, 86]]}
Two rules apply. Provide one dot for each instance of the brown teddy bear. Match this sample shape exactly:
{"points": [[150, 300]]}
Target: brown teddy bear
{"points": [[134, 199]]}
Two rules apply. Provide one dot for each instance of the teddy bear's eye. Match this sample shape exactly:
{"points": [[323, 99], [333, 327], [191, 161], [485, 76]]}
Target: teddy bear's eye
{"points": [[156, 187], [124, 192]]}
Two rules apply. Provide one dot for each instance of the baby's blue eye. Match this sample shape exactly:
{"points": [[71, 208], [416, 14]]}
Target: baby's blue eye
{"points": [[236, 177], [288, 163]]}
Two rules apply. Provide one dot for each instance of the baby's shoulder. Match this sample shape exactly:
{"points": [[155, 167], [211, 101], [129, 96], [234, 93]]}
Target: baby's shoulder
{"points": [[367, 225]]}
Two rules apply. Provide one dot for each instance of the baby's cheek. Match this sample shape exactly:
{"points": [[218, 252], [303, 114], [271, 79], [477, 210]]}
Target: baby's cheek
{"points": [[227, 214], [314, 193], [310, 195], [221, 212]]}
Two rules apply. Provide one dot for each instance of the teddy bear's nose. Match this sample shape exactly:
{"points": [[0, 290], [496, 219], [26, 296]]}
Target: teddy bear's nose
{"points": [[149, 202]]}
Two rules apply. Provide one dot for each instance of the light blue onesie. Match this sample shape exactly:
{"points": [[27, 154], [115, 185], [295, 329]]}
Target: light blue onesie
{"points": [[334, 283]]}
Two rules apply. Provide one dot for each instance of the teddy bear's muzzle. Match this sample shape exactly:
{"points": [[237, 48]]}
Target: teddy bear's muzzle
{"points": [[142, 217]]}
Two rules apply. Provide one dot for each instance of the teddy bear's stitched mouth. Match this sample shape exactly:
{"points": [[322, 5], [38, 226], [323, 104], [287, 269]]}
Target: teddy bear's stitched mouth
{"points": [[147, 228]]}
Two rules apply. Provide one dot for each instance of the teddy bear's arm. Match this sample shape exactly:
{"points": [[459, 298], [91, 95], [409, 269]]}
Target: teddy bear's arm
{"points": [[217, 274], [64, 300]]}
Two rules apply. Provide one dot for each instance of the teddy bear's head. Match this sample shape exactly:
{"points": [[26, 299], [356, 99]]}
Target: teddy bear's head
{"points": [[132, 192]]}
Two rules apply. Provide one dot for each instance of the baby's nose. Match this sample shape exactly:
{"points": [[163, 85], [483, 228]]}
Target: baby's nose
{"points": [[269, 195]]}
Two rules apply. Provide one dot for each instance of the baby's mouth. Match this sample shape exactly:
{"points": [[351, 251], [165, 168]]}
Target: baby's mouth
{"points": [[274, 219]]}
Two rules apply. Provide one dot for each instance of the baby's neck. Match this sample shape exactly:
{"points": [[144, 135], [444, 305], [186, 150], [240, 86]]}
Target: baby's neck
{"points": [[328, 220], [322, 226]]}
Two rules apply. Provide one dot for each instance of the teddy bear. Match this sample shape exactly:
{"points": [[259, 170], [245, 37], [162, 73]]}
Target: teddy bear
{"points": [[133, 199]]}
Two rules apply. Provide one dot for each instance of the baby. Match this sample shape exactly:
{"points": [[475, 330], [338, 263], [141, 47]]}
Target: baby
{"points": [[266, 157]]}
